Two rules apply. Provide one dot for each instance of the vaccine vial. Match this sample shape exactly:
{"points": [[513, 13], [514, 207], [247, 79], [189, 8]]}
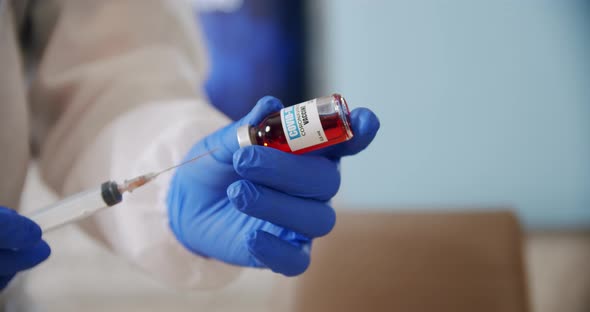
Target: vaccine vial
{"points": [[303, 127]]}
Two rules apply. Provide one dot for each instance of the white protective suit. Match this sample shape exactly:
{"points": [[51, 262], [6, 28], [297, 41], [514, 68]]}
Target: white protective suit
{"points": [[112, 90]]}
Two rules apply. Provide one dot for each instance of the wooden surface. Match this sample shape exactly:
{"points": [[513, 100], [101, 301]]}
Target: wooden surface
{"points": [[417, 262]]}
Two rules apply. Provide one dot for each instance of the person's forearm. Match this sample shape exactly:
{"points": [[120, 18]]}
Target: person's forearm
{"points": [[144, 140], [105, 58], [118, 92]]}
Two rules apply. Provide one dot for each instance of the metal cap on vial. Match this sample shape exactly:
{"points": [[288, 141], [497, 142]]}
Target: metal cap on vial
{"points": [[244, 136]]}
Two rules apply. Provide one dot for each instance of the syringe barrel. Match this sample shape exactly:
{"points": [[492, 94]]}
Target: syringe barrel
{"points": [[76, 207]]}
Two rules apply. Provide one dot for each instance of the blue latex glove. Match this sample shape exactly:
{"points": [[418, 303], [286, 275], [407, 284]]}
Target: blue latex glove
{"points": [[257, 206], [21, 246]]}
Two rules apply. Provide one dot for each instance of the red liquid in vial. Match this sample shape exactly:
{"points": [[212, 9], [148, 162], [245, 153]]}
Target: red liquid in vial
{"points": [[336, 126]]}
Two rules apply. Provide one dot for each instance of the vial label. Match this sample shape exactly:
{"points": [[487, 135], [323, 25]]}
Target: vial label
{"points": [[302, 126]]}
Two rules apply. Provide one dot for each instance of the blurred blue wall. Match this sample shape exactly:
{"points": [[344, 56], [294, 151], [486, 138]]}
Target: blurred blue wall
{"points": [[255, 49], [481, 102]]}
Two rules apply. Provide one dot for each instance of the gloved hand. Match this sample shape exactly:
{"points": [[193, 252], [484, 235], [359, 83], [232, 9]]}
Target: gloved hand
{"points": [[21, 246], [257, 206]]}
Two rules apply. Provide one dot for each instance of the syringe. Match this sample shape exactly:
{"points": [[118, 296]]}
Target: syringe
{"points": [[86, 203]]}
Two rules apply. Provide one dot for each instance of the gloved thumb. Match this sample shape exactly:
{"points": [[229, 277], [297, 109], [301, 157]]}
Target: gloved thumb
{"points": [[226, 140]]}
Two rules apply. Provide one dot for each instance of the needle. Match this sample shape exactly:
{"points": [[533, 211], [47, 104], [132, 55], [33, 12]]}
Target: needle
{"points": [[130, 185], [187, 161]]}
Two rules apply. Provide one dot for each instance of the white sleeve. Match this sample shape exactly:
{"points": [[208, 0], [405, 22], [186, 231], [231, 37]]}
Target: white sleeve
{"points": [[118, 92], [147, 139]]}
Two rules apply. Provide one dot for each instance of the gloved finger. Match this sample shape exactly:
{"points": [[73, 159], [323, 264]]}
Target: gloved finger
{"points": [[4, 280], [226, 139], [17, 231], [365, 125], [299, 175], [311, 218], [12, 261], [278, 255]]}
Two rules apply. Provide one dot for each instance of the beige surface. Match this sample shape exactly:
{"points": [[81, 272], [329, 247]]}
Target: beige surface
{"points": [[409, 261], [559, 270], [82, 276]]}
